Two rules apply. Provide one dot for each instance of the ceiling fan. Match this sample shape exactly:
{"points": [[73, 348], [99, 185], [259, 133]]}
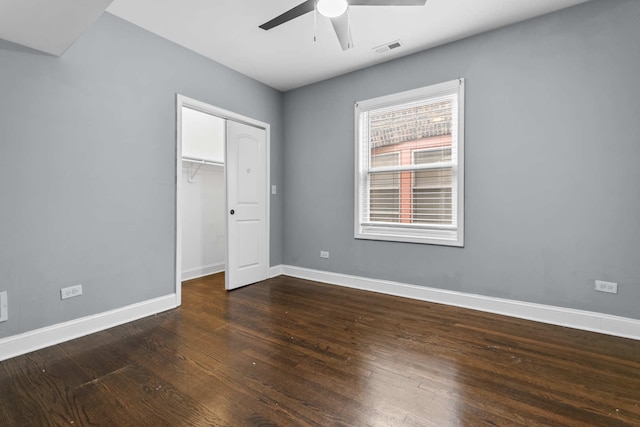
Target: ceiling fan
{"points": [[337, 11]]}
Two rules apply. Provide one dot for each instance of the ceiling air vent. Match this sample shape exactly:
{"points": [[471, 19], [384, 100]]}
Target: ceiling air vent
{"points": [[388, 46]]}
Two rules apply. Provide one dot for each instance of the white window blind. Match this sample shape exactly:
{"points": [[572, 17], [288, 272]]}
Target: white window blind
{"points": [[409, 166]]}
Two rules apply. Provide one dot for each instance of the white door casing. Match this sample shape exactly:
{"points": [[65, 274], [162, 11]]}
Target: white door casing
{"points": [[247, 193]]}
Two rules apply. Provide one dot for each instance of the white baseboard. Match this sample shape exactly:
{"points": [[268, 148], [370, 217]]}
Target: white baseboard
{"points": [[571, 318], [275, 271], [206, 270], [40, 338], [578, 319]]}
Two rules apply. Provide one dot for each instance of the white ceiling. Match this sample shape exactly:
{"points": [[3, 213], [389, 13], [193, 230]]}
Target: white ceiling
{"points": [[46, 25], [287, 57]]}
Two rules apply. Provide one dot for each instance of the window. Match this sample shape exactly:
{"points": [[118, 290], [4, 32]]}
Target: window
{"points": [[384, 189], [409, 166]]}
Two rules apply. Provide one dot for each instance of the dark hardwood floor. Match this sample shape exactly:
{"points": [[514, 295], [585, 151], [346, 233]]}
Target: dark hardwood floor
{"points": [[290, 352]]}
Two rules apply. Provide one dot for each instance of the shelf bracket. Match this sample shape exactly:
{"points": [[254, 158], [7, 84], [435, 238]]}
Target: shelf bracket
{"points": [[193, 171], [196, 164]]}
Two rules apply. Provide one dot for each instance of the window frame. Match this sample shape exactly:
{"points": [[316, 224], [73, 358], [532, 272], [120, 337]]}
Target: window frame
{"points": [[445, 235]]}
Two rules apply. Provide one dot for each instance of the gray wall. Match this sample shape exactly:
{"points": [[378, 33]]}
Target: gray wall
{"points": [[87, 168], [552, 155]]}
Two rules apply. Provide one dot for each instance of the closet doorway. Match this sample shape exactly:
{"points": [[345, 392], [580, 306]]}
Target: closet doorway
{"points": [[222, 202]]}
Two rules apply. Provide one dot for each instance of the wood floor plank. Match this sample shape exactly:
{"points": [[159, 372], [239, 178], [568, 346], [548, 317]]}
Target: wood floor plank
{"points": [[291, 352], [103, 407], [48, 376], [196, 374]]}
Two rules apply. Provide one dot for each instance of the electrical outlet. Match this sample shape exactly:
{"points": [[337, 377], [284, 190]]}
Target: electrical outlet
{"points": [[324, 254], [609, 287], [4, 311], [71, 291]]}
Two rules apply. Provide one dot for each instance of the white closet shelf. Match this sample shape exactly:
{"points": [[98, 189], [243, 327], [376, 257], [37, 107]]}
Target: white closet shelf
{"points": [[202, 161]]}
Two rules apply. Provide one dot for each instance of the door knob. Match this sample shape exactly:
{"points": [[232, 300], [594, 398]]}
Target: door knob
{"points": [[232, 212]]}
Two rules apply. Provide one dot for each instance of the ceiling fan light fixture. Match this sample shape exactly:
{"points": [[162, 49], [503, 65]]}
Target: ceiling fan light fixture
{"points": [[332, 8]]}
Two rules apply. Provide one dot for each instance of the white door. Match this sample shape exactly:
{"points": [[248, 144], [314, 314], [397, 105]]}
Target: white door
{"points": [[247, 190]]}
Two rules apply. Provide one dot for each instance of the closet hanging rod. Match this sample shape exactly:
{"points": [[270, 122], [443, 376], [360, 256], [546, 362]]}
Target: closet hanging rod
{"points": [[202, 162]]}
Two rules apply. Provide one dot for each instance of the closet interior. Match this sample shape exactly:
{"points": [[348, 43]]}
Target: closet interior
{"points": [[203, 194]]}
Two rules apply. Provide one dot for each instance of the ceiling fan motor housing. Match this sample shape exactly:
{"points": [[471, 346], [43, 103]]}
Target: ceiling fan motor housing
{"points": [[332, 8]]}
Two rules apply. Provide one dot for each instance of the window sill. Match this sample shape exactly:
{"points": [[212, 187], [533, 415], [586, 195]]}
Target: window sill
{"points": [[427, 237]]}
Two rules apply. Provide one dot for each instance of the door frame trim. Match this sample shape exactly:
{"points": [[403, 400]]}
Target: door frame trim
{"points": [[184, 101]]}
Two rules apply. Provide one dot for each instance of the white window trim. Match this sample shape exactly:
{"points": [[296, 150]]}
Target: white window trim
{"points": [[436, 235]]}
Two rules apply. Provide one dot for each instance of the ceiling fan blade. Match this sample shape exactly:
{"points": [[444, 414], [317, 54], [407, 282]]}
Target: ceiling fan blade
{"points": [[341, 27], [290, 14], [387, 2]]}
